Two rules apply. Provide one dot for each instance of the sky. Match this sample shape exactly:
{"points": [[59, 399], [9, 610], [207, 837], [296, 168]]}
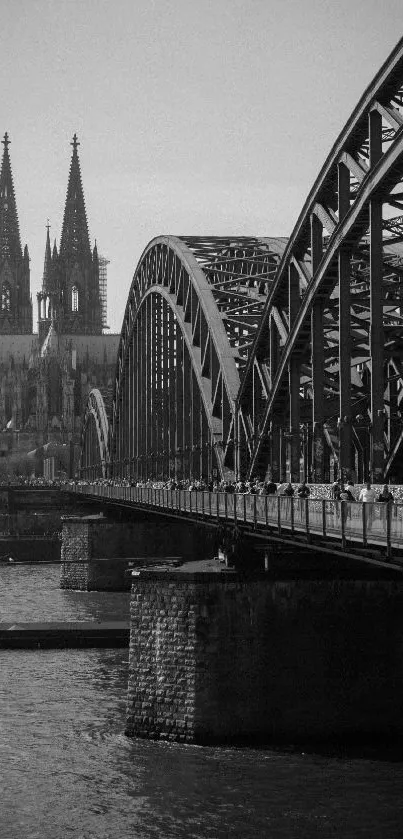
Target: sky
{"points": [[195, 117]]}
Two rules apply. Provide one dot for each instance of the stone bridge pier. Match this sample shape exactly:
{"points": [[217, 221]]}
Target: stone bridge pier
{"points": [[219, 657], [97, 549]]}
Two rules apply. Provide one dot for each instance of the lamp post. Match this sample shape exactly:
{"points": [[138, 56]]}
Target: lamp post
{"points": [[362, 427], [209, 446], [305, 451], [377, 447], [232, 445], [178, 464], [218, 446], [292, 439]]}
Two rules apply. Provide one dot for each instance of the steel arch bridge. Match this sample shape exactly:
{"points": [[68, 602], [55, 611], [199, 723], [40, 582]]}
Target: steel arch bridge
{"points": [[252, 356], [192, 313]]}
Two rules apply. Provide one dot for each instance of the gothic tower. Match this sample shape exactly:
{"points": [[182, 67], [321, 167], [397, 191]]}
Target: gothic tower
{"points": [[70, 296], [15, 297]]}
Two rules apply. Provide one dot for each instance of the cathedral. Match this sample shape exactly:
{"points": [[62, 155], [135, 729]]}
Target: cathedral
{"points": [[45, 377]]}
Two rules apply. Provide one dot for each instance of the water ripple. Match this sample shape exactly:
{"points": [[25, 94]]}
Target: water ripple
{"points": [[68, 772]]}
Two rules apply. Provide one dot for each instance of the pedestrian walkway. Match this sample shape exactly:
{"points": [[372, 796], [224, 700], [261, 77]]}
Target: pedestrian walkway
{"points": [[356, 523]]}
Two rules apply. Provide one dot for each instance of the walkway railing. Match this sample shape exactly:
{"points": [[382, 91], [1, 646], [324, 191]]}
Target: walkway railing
{"points": [[364, 524]]}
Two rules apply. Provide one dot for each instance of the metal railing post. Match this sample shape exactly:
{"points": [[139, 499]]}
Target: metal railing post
{"points": [[343, 524], [279, 514], [389, 505], [308, 535], [364, 526], [324, 517]]}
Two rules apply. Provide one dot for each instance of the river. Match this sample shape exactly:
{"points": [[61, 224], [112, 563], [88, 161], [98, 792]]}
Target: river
{"points": [[68, 772]]}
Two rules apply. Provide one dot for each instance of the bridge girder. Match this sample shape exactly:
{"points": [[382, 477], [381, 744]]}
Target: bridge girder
{"points": [[323, 376]]}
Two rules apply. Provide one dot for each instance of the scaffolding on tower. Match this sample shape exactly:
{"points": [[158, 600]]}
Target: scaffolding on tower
{"points": [[103, 281]]}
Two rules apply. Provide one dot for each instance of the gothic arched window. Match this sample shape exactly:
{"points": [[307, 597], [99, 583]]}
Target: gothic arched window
{"points": [[6, 297], [74, 299]]}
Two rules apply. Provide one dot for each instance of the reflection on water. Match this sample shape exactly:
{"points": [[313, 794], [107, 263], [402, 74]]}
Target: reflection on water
{"points": [[67, 770]]}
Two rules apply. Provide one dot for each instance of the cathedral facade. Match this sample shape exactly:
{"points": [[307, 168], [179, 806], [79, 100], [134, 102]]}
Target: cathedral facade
{"points": [[45, 377]]}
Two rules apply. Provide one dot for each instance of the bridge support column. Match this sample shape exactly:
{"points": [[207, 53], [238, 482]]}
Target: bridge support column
{"points": [[345, 427], [376, 336], [294, 433], [216, 658], [275, 451], [318, 359], [95, 553], [376, 342], [294, 381]]}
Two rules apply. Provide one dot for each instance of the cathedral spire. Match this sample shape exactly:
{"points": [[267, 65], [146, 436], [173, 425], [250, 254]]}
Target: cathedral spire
{"points": [[10, 243], [46, 279], [75, 243]]}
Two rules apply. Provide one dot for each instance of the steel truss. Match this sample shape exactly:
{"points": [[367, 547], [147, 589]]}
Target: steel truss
{"points": [[94, 449], [192, 312], [324, 378]]}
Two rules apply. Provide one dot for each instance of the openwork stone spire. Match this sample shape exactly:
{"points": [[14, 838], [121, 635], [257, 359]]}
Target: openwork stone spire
{"points": [[70, 295], [47, 267], [75, 241], [10, 243], [15, 297]]}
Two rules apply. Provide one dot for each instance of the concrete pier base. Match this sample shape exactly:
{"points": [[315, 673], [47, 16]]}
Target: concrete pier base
{"points": [[96, 551], [215, 657]]}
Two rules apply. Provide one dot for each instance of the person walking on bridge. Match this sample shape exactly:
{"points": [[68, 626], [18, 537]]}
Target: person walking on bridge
{"points": [[368, 497], [386, 498], [303, 493], [303, 490], [385, 495], [346, 495]]}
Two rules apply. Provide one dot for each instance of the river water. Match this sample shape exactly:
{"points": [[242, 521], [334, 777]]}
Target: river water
{"points": [[68, 772]]}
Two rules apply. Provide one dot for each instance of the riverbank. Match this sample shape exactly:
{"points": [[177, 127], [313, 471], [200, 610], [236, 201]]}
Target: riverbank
{"points": [[30, 548], [64, 635]]}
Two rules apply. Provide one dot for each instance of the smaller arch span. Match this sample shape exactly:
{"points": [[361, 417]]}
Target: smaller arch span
{"points": [[94, 449]]}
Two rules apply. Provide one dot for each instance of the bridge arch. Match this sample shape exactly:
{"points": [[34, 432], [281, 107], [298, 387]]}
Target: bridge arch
{"points": [[192, 311], [94, 449], [324, 378]]}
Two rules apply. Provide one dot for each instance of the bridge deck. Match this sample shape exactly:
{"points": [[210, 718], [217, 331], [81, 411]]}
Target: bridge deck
{"points": [[344, 526]]}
